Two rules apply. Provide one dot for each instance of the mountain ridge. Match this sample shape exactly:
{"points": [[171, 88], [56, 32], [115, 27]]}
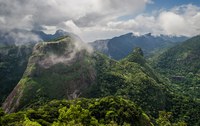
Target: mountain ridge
{"points": [[120, 46]]}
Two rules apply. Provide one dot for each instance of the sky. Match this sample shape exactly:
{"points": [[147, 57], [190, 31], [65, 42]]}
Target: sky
{"points": [[101, 19]]}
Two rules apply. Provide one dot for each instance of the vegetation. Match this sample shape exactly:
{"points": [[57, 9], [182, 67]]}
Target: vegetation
{"points": [[181, 65], [164, 120], [130, 79], [104, 111], [133, 78]]}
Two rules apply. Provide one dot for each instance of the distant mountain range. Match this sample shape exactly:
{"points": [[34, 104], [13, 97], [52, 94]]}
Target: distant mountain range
{"points": [[119, 47]]}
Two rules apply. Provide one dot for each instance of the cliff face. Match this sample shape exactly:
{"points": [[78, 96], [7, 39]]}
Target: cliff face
{"points": [[56, 70]]}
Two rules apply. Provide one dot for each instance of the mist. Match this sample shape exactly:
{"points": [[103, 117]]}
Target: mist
{"points": [[75, 47]]}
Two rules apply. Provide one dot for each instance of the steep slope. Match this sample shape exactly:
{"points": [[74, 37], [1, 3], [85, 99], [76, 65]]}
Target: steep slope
{"points": [[119, 47], [103, 111], [58, 69], [13, 62], [182, 65]]}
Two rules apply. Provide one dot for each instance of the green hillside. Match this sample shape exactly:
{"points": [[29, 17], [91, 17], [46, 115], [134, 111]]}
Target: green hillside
{"points": [[133, 78], [128, 78], [181, 64]]}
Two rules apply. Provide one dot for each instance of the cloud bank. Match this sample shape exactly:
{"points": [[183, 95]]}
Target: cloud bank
{"points": [[95, 19], [180, 20]]}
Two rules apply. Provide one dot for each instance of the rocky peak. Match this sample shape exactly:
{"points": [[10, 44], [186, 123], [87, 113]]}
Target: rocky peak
{"points": [[138, 51]]}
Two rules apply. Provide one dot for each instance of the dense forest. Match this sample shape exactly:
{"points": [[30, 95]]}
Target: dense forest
{"points": [[104, 111]]}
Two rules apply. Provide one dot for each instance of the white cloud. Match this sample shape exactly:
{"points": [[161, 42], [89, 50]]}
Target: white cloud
{"points": [[180, 20], [71, 14], [172, 23], [2, 20], [71, 26], [53, 12]]}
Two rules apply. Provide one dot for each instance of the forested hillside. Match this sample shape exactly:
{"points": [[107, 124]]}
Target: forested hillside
{"points": [[181, 64]]}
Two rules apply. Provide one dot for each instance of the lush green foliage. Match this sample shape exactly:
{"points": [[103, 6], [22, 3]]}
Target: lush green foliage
{"points": [[103, 111], [164, 120], [131, 79], [181, 65]]}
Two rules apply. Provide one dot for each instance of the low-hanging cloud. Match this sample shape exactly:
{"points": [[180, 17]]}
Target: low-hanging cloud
{"points": [[70, 53]]}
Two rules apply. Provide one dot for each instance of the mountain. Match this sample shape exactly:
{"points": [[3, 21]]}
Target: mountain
{"points": [[103, 111], [57, 69], [14, 55], [181, 65], [119, 47]]}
